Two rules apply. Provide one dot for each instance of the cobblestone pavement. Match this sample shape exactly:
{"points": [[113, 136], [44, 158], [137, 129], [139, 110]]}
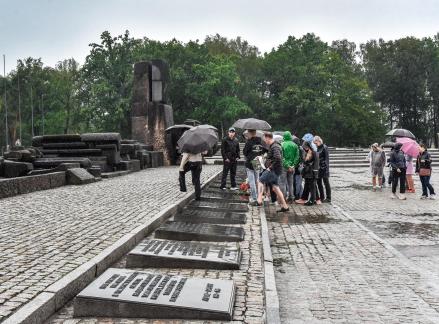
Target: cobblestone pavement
{"points": [[249, 302], [329, 269], [45, 235]]}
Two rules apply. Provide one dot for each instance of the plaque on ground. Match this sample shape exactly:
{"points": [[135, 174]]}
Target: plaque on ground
{"points": [[210, 216], [212, 196], [129, 293], [182, 231], [219, 205], [183, 254]]}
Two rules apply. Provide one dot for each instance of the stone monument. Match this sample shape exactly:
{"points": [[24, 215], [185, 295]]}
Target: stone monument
{"points": [[150, 114]]}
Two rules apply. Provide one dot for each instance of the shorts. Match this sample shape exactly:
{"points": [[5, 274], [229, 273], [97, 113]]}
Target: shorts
{"points": [[377, 172], [269, 178]]}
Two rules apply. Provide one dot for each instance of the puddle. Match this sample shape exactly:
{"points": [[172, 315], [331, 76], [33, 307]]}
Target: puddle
{"points": [[404, 229], [291, 218]]}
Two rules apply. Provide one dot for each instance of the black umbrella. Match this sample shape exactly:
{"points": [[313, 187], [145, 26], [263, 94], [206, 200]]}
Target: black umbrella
{"points": [[400, 132], [181, 126], [197, 140], [252, 123]]}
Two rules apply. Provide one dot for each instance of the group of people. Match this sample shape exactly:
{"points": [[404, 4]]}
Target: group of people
{"points": [[401, 170], [284, 170]]}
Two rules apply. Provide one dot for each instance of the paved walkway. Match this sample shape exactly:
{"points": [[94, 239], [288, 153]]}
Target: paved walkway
{"points": [[44, 235], [330, 269]]}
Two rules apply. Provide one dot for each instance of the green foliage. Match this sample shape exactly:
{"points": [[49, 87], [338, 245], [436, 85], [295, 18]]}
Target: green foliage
{"points": [[304, 85]]}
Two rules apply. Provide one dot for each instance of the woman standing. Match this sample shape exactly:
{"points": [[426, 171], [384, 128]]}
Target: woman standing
{"points": [[323, 178], [397, 162], [309, 173], [409, 174], [423, 168]]}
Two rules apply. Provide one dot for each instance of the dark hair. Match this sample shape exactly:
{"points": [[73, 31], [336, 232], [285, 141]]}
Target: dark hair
{"points": [[423, 145], [268, 134]]}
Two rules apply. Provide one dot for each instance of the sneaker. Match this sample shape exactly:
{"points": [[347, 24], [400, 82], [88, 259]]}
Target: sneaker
{"points": [[402, 197], [394, 196], [223, 188], [423, 197], [327, 201], [433, 197], [234, 188], [282, 210]]}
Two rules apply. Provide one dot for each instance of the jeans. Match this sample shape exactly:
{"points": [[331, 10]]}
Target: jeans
{"points": [[286, 183], [324, 181], [298, 188], [195, 168], [425, 181], [309, 190], [229, 166], [401, 177], [253, 178]]}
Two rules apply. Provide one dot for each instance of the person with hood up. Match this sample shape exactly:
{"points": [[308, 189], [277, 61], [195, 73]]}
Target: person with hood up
{"points": [[290, 158], [309, 173], [323, 178], [308, 137], [252, 149], [298, 185], [423, 168], [230, 152], [398, 165], [377, 159]]}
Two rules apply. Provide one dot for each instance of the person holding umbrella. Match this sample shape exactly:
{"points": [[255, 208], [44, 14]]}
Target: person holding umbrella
{"points": [[230, 152], [398, 164], [193, 143], [423, 168]]}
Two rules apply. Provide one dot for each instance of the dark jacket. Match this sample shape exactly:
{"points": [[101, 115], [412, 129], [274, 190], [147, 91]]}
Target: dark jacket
{"points": [[323, 161], [423, 161], [397, 158], [311, 167], [253, 148], [230, 149], [274, 158]]}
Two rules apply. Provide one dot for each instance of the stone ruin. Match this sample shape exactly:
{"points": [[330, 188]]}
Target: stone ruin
{"points": [[150, 114]]}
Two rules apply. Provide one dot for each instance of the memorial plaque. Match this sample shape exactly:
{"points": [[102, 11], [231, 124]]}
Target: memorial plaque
{"points": [[129, 293], [219, 205], [210, 217], [218, 196], [182, 231], [183, 254]]}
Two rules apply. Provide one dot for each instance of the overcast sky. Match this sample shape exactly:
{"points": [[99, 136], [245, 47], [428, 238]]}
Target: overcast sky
{"points": [[59, 29]]}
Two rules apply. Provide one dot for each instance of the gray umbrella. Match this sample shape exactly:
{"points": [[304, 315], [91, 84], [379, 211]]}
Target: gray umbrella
{"points": [[400, 132], [181, 126], [197, 140], [208, 127], [252, 123]]}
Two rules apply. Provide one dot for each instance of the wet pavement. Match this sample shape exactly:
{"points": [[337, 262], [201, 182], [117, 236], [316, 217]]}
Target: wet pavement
{"points": [[331, 269]]}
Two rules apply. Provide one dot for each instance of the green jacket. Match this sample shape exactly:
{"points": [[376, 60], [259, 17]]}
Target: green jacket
{"points": [[290, 151]]}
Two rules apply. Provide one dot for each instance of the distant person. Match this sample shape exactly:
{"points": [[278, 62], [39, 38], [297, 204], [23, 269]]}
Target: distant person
{"points": [[194, 163], [423, 168], [290, 158], [17, 142], [377, 158], [409, 174], [310, 174], [231, 154], [270, 176], [252, 149], [298, 185], [323, 177], [398, 165]]}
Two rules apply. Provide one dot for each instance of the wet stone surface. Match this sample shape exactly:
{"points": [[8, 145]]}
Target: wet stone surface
{"points": [[212, 217], [331, 270]]}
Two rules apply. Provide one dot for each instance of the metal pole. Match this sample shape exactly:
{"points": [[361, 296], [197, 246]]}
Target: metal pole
{"points": [[32, 110], [19, 104], [42, 112], [6, 105]]}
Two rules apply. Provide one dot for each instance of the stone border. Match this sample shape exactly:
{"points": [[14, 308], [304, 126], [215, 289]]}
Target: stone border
{"points": [[54, 297], [272, 311], [406, 261]]}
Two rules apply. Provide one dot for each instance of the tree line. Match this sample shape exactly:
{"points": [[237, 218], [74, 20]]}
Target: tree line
{"points": [[347, 95]]}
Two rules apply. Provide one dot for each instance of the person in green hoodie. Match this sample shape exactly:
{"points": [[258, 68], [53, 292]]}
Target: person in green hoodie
{"points": [[290, 154]]}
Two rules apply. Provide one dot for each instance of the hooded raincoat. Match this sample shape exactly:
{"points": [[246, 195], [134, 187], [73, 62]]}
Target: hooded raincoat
{"points": [[290, 151]]}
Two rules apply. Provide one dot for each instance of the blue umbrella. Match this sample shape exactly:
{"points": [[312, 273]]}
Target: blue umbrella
{"points": [[308, 137]]}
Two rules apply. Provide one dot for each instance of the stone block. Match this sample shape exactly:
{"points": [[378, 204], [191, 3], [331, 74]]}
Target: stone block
{"points": [[138, 130], [131, 165], [33, 183], [58, 179], [210, 217], [70, 145], [156, 158], [66, 166], [95, 171], [138, 294], [8, 187], [139, 109], [59, 138], [54, 162], [79, 176], [12, 169]]}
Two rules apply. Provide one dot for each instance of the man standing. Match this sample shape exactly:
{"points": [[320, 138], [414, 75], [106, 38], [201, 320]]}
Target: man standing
{"points": [[377, 163], [290, 153], [271, 175], [231, 154], [252, 149], [397, 162]]}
